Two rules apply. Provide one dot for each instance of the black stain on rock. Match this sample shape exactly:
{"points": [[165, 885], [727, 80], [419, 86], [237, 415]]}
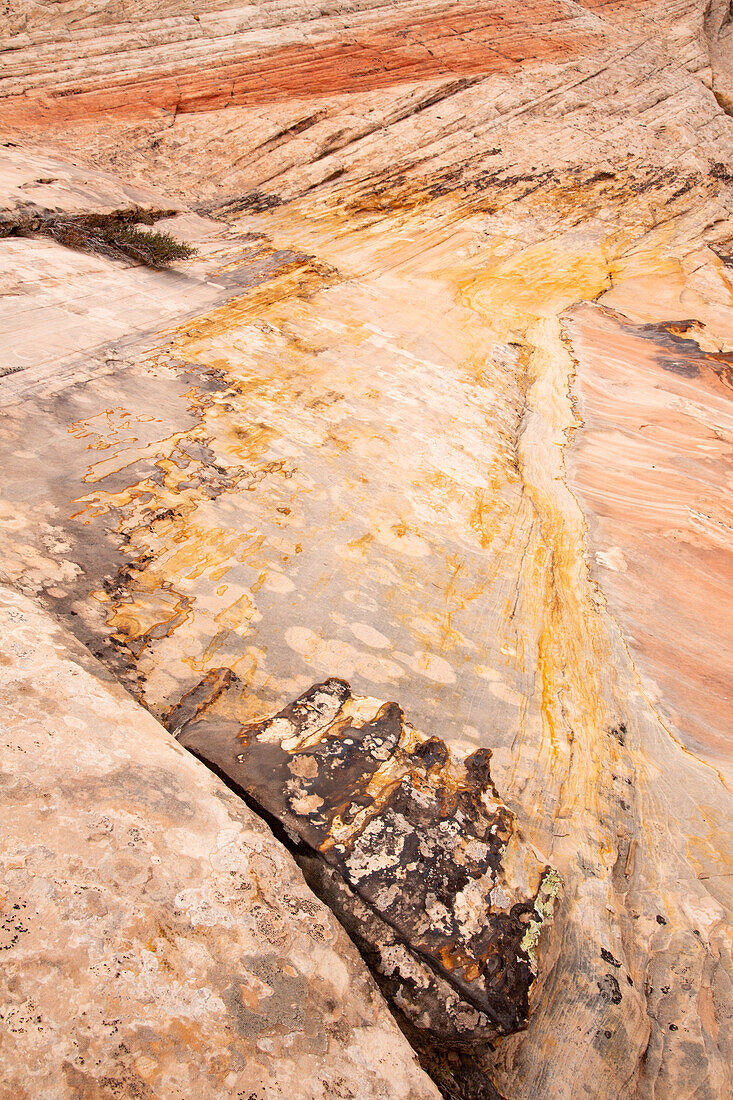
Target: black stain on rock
{"points": [[609, 989], [406, 845]]}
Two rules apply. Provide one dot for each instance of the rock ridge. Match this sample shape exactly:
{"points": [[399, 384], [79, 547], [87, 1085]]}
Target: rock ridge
{"points": [[157, 941]]}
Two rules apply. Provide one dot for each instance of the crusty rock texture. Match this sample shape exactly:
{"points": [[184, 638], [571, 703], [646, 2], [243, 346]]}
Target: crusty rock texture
{"points": [[156, 939], [418, 856], [441, 408]]}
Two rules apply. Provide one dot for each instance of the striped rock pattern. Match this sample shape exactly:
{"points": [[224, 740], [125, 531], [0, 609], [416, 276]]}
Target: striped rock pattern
{"points": [[442, 409]]}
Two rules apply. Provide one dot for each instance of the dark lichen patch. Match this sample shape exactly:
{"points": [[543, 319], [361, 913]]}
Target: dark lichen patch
{"points": [[13, 924], [720, 171], [609, 989], [254, 202], [408, 848], [619, 733]]}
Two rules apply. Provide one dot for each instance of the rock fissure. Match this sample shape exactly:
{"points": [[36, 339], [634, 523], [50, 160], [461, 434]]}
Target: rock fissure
{"points": [[415, 853]]}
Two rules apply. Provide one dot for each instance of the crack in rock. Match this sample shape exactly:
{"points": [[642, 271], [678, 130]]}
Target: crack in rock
{"points": [[412, 849]]}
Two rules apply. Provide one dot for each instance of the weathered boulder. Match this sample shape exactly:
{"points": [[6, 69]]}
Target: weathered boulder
{"points": [[157, 941], [414, 850]]}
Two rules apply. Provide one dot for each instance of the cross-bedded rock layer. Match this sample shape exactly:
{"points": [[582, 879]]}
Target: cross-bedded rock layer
{"points": [[383, 435], [273, 58]]}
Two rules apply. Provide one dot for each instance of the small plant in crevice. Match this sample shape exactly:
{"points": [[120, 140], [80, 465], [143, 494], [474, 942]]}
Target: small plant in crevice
{"points": [[116, 235], [150, 247]]}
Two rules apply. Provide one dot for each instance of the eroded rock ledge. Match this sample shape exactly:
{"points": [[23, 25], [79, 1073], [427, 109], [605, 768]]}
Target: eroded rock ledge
{"points": [[412, 849], [156, 940]]}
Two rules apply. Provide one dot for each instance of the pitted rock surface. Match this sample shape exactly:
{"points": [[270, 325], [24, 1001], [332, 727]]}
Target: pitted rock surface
{"points": [[419, 856], [156, 940]]}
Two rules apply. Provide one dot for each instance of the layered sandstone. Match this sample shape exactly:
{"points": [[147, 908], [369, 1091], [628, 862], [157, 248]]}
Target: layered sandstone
{"points": [[441, 409]]}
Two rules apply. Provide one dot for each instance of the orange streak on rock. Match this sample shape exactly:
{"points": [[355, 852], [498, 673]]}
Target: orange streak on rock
{"points": [[472, 40], [649, 465]]}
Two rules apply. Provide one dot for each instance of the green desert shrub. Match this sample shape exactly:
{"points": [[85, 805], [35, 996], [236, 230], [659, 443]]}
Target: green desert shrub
{"points": [[149, 247], [114, 235]]}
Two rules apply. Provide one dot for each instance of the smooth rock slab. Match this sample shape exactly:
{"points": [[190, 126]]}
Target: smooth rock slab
{"points": [[157, 941]]}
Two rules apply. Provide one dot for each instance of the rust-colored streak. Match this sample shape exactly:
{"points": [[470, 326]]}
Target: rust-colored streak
{"points": [[648, 466], [475, 40]]}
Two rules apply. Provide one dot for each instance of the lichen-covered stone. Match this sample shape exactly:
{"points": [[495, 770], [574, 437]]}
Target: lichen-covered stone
{"points": [[413, 849]]}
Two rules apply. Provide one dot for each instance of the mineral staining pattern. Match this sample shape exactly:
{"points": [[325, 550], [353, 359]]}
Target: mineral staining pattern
{"points": [[455, 900], [445, 415], [357, 468]]}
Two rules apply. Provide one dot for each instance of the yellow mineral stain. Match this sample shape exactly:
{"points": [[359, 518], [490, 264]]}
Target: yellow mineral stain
{"points": [[238, 615], [298, 421]]}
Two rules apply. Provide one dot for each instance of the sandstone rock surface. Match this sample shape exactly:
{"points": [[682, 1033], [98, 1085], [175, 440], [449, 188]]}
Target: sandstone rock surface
{"points": [[442, 409], [157, 941]]}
